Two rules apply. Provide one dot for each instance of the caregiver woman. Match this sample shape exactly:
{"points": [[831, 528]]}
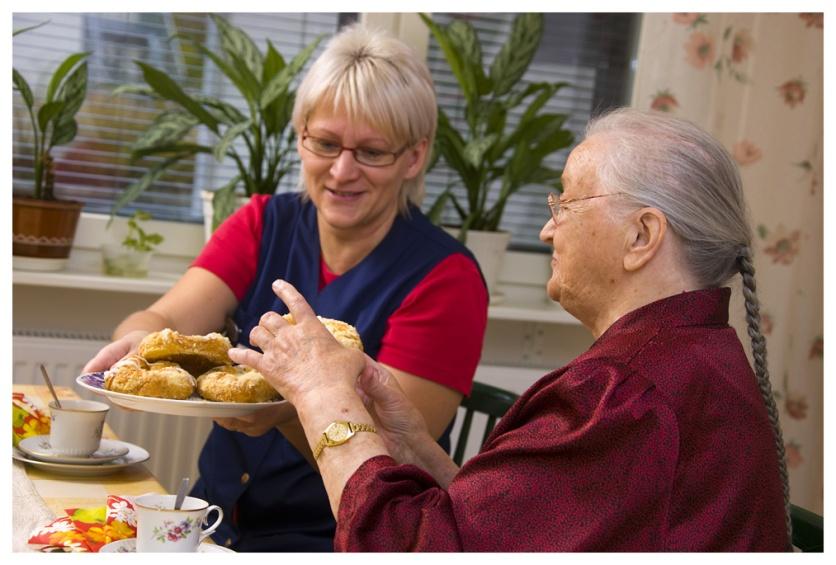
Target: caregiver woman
{"points": [[358, 247], [660, 437]]}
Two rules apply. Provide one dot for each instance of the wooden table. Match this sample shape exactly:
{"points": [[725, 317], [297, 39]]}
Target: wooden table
{"points": [[60, 492]]}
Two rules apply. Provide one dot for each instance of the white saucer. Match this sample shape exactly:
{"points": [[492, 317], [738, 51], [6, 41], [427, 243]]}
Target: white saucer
{"points": [[39, 448], [135, 455], [129, 546]]}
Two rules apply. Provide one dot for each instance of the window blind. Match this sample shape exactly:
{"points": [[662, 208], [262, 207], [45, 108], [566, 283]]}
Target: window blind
{"points": [[95, 168], [592, 52]]}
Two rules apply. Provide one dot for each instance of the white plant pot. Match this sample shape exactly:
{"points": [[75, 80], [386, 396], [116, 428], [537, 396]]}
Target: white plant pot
{"points": [[208, 209], [489, 249], [119, 261]]}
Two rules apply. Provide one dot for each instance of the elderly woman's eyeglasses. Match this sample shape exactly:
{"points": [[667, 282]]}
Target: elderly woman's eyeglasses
{"points": [[364, 155], [556, 205]]}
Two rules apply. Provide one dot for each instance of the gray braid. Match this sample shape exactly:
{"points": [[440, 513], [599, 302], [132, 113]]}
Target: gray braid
{"points": [[753, 321]]}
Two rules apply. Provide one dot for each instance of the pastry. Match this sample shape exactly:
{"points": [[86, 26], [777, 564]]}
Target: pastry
{"points": [[195, 353], [345, 333], [134, 375], [235, 384]]}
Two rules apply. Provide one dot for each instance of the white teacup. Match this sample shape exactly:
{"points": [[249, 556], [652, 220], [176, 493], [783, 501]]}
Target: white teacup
{"points": [[76, 428], [160, 528]]}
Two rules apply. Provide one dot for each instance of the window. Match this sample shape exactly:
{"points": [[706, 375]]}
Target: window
{"points": [[592, 52], [95, 167]]}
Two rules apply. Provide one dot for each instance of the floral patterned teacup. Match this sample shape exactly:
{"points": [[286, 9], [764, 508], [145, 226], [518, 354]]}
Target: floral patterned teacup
{"points": [[160, 528]]}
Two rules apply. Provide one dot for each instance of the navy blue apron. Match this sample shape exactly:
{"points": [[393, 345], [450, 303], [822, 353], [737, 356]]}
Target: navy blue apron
{"points": [[272, 499]]}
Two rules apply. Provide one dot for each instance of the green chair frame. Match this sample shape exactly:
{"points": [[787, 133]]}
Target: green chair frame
{"points": [[807, 530], [485, 399]]}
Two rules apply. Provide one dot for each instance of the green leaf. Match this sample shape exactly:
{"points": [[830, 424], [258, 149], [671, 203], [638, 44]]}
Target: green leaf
{"points": [[170, 90], [184, 149], [48, 112], [435, 211], [231, 133], [224, 112], [239, 46], [142, 89], [138, 187], [22, 86], [273, 63], [64, 132], [167, 129], [464, 40], [30, 28], [223, 202], [454, 59], [63, 69], [516, 54], [475, 149], [73, 91], [279, 84]]}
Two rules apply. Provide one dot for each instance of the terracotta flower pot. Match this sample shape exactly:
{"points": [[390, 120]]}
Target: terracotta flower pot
{"points": [[43, 230]]}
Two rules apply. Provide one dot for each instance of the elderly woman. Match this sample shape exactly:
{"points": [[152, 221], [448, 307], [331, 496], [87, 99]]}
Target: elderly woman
{"points": [[358, 248], [659, 437]]}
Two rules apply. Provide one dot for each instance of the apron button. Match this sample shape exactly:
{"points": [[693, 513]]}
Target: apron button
{"points": [[245, 478]]}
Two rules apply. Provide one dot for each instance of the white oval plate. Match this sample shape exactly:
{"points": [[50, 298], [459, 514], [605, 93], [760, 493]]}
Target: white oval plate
{"points": [[39, 448], [194, 406], [129, 546], [135, 455]]}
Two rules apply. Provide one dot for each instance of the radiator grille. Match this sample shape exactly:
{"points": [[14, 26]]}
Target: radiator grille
{"points": [[174, 442]]}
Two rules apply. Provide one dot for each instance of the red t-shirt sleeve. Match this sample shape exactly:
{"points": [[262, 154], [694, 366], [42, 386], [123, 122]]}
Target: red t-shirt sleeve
{"points": [[232, 251], [438, 331]]}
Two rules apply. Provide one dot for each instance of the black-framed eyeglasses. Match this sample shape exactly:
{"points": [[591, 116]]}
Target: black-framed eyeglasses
{"points": [[368, 156], [555, 205]]}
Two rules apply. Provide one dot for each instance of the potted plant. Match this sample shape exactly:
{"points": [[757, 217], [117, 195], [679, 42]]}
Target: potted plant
{"points": [[263, 81], [43, 227], [131, 257], [495, 156]]}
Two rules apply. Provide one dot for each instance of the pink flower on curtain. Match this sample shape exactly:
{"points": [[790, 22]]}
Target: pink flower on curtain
{"points": [[796, 406], [817, 348], [813, 19], [781, 246], [664, 101], [794, 458], [793, 92], [745, 152], [685, 18], [700, 50], [741, 46]]}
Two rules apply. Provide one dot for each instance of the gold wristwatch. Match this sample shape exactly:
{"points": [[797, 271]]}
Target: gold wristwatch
{"points": [[339, 432]]}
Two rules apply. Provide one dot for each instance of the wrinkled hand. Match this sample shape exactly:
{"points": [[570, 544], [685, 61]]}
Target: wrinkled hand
{"points": [[398, 421], [259, 422], [302, 360], [113, 352]]}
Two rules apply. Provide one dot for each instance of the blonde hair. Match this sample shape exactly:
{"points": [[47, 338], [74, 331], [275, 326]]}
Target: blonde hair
{"points": [[376, 79], [673, 165]]}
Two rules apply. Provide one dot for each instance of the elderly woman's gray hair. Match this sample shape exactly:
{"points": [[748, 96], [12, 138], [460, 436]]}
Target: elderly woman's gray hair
{"points": [[376, 79], [673, 165]]}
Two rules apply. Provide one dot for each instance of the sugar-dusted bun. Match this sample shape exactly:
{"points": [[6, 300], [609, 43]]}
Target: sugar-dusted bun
{"points": [[345, 333], [134, 375], [195, 353], [235, 384]]}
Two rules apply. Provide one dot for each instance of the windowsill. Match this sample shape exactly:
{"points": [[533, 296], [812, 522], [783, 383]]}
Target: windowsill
{"points": [[521, 285]]}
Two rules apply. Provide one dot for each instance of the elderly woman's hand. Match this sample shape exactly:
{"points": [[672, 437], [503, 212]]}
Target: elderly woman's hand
{"points": [[301, 358], [397, 420]]}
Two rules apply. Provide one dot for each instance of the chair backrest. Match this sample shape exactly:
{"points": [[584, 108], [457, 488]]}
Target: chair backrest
{"points": [[486, 399], [807, 530]]}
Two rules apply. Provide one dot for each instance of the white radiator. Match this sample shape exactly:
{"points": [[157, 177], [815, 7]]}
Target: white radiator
{"points": [[173, 442]]}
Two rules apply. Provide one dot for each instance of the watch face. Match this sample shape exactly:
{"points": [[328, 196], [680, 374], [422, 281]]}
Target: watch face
{"points": [[338, 432]]}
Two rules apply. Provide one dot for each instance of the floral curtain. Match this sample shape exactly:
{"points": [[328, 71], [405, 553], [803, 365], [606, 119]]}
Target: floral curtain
{"points": [[755, 82]]}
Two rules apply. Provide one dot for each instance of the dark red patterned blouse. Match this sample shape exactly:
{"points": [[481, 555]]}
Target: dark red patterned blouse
{"points": [[655, 439]]}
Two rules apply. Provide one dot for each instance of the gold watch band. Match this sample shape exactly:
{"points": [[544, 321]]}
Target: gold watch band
{"points": [[338, 433]]}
